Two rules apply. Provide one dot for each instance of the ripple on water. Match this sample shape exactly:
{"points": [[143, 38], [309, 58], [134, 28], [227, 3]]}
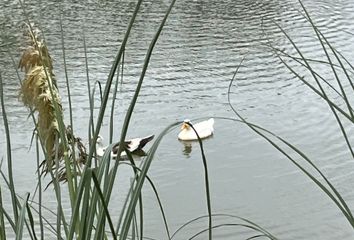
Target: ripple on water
{"points": [[188, 77]]}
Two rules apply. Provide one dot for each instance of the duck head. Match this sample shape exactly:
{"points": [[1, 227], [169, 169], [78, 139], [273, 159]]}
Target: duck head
{"points": [[99, 141], [185, 124]]}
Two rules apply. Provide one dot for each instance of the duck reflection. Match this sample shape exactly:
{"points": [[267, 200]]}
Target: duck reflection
{"points": [[187, 148]]}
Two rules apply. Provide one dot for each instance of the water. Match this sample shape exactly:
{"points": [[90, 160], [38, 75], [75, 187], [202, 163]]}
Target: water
{"points": [[188, 77]]}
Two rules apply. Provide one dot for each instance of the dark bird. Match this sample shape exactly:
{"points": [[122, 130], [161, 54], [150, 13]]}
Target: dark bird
{"points": [[134, 146]]}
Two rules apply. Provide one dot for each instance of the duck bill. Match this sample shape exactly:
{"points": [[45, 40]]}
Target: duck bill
{"points": [[184, 126]]}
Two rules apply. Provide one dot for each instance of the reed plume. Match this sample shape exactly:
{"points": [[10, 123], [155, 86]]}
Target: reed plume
{"points": [[39, 92]]}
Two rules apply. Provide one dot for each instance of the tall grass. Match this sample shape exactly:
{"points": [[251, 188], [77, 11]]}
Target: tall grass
{"points": [[65, 157], [342, 72]]}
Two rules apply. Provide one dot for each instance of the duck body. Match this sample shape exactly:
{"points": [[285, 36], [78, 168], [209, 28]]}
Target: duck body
{"points": [[204, 129], [134, 146]]}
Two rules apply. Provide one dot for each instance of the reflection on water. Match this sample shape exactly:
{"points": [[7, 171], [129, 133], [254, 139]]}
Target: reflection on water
{"points": [[187, 148], [189, 74]]}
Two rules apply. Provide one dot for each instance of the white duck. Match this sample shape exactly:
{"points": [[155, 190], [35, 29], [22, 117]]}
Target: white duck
{"points": [[204, 130], [134, 146]]}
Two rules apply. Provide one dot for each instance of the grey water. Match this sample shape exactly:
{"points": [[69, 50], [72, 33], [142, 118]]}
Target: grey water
{"points": [[190, 70]]}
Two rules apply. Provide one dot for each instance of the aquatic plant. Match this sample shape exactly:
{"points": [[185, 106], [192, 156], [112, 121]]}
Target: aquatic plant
{"points": [[40, 94], [39, 90], [342, 71], [90, 186]]}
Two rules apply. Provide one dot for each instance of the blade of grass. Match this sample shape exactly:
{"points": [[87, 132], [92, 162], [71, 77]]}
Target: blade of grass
{"points": [[248, 222], [332, 106], [59, 207], [97, 185], [71, 129], [140, 181], [39, 192], [91, 102], [206, 179], [320, 36], [92, 129], [323, 95], [110, 78], [157, 198], [136, 174], [21, 220], [124, 207], [102, 110], [104, 163], [18, 204], [49, 226], [9, 156], [128, 115], [109, 185], [298, 60], [8, 218], [329, 59], [142, 76], [2, 222], [349, 64], [66, 70], [101, 114], [111, 123], [134, 228], [225, 225], [30, 217], [85, 205], [101, 176], [339, 202], [256, 236]]}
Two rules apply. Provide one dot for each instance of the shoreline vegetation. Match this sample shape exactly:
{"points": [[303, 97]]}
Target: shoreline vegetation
{"points": [[90, 179]]}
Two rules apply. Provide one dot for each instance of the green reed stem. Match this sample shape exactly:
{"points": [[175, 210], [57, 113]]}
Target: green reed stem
{"points": [[71, 129], [91, 122], [21, 220], [253, 225], [2, 222], [323, 93], [157, 198], [109, 187], [339, 202], [320, 36], [206, 179], [105, 206], [131, 207], [139, 183], [111, 123], [40, 191], [9, 155], [136, 175], [30, 217], [66, 72]]}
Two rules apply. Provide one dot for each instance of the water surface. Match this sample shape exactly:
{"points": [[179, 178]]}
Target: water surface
{"points": [[188, 77]]}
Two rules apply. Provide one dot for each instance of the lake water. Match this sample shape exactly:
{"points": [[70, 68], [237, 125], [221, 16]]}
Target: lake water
{"points": [[188, 77]]}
